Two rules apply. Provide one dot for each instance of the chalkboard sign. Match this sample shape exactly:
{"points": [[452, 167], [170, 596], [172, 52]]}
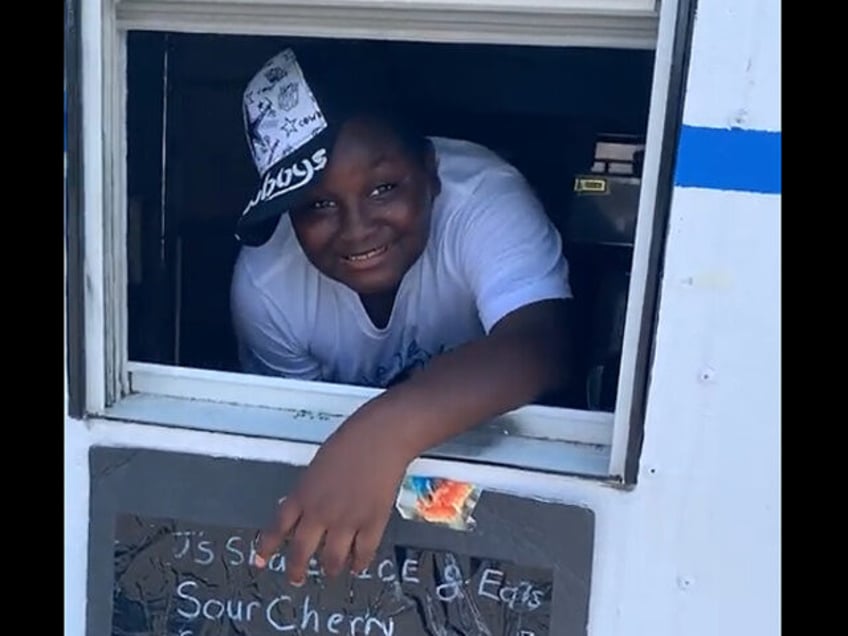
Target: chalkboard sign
{"points": [[172, 544], [185, 579]]}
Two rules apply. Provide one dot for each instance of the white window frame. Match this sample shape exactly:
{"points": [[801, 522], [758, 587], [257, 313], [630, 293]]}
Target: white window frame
{"points": [[584, 443]]}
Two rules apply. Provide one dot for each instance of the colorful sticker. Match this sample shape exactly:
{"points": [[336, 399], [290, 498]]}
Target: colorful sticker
{"points": [[442, 501]]}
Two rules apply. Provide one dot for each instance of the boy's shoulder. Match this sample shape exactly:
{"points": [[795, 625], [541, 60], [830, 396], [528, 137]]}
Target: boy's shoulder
{"points": [[474, 182], [470, 165]]}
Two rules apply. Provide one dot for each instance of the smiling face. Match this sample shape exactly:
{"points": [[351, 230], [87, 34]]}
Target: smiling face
{"points": [[367, 220]]}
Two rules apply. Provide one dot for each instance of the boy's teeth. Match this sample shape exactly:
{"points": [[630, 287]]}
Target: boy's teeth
{"points": [[365, 255]]}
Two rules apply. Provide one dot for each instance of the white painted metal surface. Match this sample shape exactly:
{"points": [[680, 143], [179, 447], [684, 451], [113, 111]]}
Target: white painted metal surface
{"points": [[736, 86]]}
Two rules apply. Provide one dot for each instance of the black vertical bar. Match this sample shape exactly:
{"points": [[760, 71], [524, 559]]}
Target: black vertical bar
{"points": [[74, 218], [149, 325]]}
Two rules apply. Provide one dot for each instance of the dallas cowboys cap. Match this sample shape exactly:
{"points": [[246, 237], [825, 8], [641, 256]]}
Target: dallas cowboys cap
{"points": [[294, 108]]}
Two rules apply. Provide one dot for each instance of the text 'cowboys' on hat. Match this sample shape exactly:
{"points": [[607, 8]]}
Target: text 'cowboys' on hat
{"points": [[294, 108]]}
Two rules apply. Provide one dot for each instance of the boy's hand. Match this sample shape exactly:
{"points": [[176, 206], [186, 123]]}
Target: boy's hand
{"points": [[343, 501]]}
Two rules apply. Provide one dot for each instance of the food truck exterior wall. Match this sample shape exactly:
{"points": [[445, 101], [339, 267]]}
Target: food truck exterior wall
{"points": [[694, 547]]}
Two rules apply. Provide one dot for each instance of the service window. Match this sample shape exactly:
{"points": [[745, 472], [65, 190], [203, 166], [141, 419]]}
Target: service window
{"points": [[572, 93]]}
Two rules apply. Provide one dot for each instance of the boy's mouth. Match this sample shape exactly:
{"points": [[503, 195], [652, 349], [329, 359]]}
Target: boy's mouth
{"points": [[367, 255]]}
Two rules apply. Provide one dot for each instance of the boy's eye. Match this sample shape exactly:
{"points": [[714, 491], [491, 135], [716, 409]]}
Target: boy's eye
{"points": [[320, 204], [383, 188]]}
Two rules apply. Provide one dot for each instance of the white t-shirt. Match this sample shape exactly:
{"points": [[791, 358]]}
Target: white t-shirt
{"points": [[491, 250]]}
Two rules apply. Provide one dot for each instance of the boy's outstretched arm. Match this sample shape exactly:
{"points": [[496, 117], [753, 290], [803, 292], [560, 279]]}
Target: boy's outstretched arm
{"points": [[345, 497]]}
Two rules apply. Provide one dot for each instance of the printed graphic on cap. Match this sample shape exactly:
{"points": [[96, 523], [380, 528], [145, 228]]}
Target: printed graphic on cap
{"points": [[288, 178], [280, 111]]}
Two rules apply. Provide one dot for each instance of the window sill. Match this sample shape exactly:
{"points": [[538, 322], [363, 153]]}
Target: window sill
{"points": [[534, 437]]}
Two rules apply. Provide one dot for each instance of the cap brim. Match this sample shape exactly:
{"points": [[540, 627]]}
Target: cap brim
{"points": [[282, 187]]}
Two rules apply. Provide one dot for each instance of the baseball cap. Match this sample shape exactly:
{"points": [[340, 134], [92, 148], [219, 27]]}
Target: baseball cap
{"points": [[294, 108]]}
